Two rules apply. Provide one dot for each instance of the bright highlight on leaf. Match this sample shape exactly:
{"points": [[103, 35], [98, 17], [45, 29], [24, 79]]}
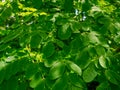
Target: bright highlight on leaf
{"points": [[74, 67], [57, 70]]}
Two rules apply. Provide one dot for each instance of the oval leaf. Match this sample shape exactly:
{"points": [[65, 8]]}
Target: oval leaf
{"points": [[76, 80], [64, 32], [103, 86], [110, 76], [36, 80], [60, 84], [35, 41], [48, 49], [89, 74], [103, 62], [74, 67], [57, 70]]}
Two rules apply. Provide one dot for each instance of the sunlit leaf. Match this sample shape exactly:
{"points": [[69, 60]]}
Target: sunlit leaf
{"points": [[74, 67], [103, 62], [36, 80], [57, 70]]}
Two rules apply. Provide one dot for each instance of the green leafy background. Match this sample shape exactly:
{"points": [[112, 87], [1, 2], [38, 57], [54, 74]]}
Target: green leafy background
{"points": [[59, 45]]}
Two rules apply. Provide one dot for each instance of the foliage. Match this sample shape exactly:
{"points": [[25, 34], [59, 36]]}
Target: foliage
{"points": [[59, 45]]}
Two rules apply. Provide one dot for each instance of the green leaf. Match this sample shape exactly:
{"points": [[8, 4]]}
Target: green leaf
{"points": [[64, 32], [24, 40], [10, 84], [89, 74], [104, 20], [35, 41], [86, 6], [77, 81], [31, 70], [74, 67], [22, 86], [75, 26], [38, 4], [2, 71], [100, 50], [48, 49], [110, 75], [103, 29], [59, 43], [51, 60], [68, 5], [6, 13], [103, 86], [16, 67], [8, 71], [103, 62], [93, 36], [12, 35], [41, 85], [83, 58], [75, 45], [117, 39], [57, 70], [3, 47], [36, 80], [60, 84]]}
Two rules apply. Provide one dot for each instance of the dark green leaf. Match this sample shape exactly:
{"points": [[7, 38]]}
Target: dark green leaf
{"points": [[35, 41], [59, 43], [77, 81], [83, 59], [89, 74], [103, 86], [2, 71], [48, 49], [51, 60], [60, 84], [31, 70], [100, 50], [12, 35], [86, 6], [3, 47], [64, 32], [68, 5], [6, 13], [112, 77]]}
